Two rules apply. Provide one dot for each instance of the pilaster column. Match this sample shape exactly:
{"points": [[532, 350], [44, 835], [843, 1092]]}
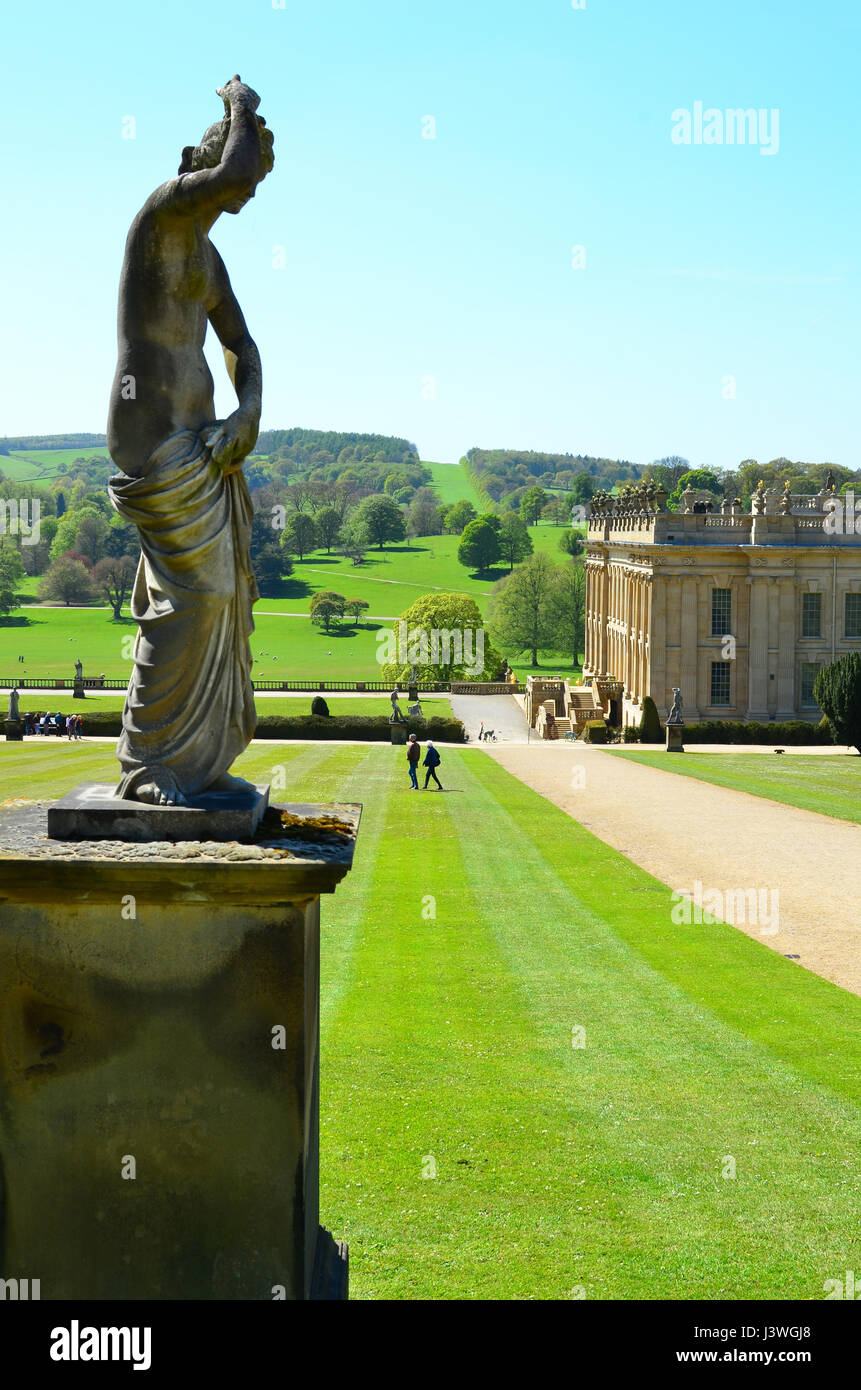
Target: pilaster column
{"points": [[786, 650], [688, 662], [757, 682], [656, 670]]}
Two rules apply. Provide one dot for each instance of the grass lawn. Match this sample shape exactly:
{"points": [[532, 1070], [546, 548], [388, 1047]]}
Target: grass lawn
{"points": [[453, 484], [480, 927], [290, 647], [284, 648], [829, 785], [40, 465]]}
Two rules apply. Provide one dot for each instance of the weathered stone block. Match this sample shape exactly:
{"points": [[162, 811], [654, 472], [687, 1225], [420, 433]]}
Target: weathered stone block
{"points": [[92, 812], [675, 738], [159, 1013]]}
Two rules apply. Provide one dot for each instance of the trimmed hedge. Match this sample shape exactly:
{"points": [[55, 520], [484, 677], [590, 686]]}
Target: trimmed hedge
{"points": [[792, 731], [372, 728], [650, 730], [107, 723], [594, 731]]}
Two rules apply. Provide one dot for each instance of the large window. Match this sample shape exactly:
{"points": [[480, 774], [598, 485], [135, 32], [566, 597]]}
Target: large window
{"points": [[811, 615], [852, 615], [721, 612], [720, 682], [809, 672]]}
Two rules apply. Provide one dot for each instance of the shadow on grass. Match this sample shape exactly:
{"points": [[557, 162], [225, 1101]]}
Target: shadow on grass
{"points": [[351, 629], [288, 588], [489, 576]]}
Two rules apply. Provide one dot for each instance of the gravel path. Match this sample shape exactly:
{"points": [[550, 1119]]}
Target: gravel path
{"points": [[682, 831], [499, 712]]}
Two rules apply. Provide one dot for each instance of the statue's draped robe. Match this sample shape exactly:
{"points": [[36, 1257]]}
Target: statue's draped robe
{"points": [[190, 702]]}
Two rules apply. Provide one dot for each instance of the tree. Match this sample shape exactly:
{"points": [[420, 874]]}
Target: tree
{"points": [[69, 581], [522, 612], [354, 540], [556, 510], [479, 545], [92, 537], [11, 574], [571, 543], [568, 609], [458, 516], [356, 606], [425, 514], [837, 691], [666, 472], [300, 534], [700, 479], [381, 519], [36, 558], [122, 538], [515, 542], [115, 575], [327, 608], [582, 488], [328, 522], [445, 639], [531, 503], [269, 559], [69, 523]]}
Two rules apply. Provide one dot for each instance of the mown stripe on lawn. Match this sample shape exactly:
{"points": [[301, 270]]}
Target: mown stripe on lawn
{"points": [[800, 1018], [598, 1167], [431, 1028], [687, 1089]]}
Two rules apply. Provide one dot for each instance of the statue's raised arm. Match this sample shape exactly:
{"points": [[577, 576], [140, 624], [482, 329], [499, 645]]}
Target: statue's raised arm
{"points": [[222, 172], [190, 706]]}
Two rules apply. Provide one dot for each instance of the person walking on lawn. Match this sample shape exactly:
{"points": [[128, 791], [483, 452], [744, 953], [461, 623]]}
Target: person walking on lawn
{"points": [[431, 762], [414, 752]]}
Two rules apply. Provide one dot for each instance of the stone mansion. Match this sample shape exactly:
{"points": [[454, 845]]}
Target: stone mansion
{"points": [[738, 610]]}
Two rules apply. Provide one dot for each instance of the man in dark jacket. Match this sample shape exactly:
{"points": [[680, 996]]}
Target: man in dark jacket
{"points": [[431, 762], [414, 752]]}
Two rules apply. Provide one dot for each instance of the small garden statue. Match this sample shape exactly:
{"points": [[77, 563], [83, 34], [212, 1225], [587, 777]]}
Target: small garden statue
{"points": [[675, 715], [396, 715]]}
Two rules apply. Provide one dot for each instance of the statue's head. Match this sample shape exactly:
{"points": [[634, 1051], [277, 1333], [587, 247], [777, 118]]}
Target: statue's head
{"points": [[207, 155]]}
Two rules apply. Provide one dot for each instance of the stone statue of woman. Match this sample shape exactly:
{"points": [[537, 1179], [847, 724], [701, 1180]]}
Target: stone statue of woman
{"points": [[189, 710], [675, 715]]}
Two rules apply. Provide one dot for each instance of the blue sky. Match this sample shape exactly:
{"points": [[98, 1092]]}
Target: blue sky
{"points": [[428, 289]]}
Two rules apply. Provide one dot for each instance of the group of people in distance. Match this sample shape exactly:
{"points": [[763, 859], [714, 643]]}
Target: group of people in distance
{"points": [[41, 723], [432, 761]]}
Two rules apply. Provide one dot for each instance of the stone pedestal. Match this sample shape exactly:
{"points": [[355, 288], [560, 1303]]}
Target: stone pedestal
{"points": [[78, 689], [159, 1010], [14, 730], [399, 733], [675, 738], [93, 812]]}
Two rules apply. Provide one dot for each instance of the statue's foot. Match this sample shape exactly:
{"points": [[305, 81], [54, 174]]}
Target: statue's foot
{"points": [[228, 783], [161, 790]]}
